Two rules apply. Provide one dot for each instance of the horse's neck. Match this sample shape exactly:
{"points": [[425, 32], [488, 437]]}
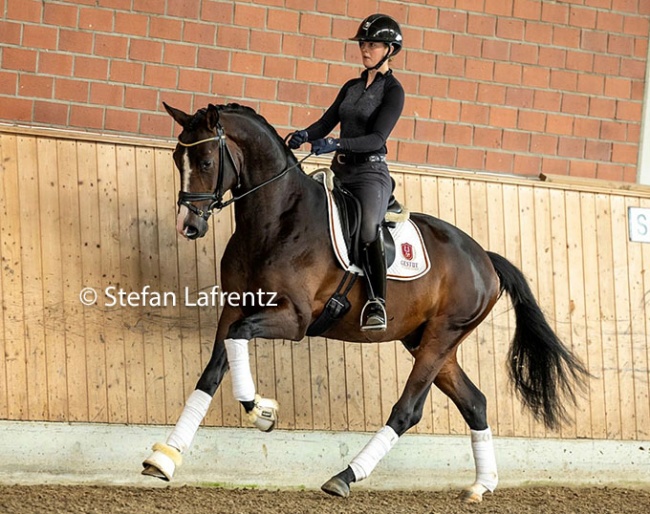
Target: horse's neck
{"points": [[280, 208]]}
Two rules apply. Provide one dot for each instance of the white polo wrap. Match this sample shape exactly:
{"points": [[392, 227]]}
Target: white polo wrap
{"points": [[196, 407], [380, 444], [243, 387], [486, 464]]}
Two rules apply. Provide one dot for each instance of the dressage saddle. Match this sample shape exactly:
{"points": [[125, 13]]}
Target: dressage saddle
{"points": [[350, 213]]}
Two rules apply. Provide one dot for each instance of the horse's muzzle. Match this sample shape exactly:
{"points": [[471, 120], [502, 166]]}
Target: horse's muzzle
{"points": [[189, 225]]}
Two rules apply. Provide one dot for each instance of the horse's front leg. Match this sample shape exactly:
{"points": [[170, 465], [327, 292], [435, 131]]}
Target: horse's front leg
{"points": [[280, 322], [166, 457], [231, 352]]}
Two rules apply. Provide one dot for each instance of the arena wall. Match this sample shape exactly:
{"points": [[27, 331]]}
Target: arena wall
{"points": [[80, 211]]}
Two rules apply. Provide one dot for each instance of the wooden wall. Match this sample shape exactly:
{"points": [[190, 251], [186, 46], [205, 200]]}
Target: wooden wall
{"points": [[77, 212]]}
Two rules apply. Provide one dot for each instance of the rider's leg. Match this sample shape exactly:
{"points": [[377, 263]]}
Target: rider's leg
{"points": [[371, 184], [373, 195], [374, 267]]}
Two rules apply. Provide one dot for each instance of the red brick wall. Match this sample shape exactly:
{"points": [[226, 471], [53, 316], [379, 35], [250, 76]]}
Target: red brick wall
{"points": [[513, 86]]}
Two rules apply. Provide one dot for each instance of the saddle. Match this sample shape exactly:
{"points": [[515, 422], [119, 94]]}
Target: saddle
{"points": [[350, 214], [344, 217]]}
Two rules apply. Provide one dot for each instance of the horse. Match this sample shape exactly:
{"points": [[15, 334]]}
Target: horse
{"points": [[281, 245]]}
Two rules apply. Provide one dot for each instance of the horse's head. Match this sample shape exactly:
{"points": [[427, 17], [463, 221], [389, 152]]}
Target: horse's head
{"points": [[206, 166]]}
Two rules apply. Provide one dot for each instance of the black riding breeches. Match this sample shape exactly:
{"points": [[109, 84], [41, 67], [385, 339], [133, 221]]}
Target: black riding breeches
{"points": [[371, 184]]}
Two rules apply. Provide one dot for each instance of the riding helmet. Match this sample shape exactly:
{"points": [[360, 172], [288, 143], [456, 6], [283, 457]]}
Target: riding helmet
{"points": [[382, 28]]}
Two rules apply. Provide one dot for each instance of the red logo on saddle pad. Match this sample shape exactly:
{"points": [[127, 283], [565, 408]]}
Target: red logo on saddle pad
{"points": [[407, 251]]}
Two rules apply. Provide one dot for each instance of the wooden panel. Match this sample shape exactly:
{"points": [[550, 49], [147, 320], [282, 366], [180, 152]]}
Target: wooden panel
{"points": [[109, 236], [91, 257], [592, 310], [15, 357], [77, 214], [52, 270], [31, 241], [302, 396], [639, 280], [338, 400], [130, 281], [607, 294], [71, 250], [319, 384], [577, 319]]}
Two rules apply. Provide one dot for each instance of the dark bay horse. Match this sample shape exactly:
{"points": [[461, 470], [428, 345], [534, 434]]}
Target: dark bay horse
{"points": [[281, 245]]}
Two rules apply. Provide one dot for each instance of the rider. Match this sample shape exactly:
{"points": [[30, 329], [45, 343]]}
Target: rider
{"points": [[367, 108]]}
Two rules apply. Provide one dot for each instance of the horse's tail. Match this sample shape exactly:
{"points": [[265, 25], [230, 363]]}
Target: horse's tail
{"points": [[542, 369]]}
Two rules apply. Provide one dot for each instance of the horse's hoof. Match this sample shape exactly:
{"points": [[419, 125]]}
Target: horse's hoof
{"points": [[469, 497], [265, 413], [336, 486], [473, 494], [162, 462], [153, 471]]}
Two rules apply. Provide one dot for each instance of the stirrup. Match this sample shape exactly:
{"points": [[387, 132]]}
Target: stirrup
{"points": [[375, 320]]}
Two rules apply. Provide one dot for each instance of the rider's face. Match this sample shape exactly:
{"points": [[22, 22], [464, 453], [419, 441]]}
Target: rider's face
{"points": [[372, 52]]}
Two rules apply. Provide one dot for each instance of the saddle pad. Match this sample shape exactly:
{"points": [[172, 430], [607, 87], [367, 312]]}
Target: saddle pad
{"points": [[411, 258]]}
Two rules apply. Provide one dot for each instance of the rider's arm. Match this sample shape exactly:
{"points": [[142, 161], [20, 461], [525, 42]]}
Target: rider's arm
{"points": [[329, 119]]}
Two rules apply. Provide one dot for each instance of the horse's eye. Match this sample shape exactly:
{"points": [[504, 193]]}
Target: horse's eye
{"points": [[206, 164]]}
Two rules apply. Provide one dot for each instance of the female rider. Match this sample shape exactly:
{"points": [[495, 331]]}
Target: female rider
{"points": [[367, 108]]}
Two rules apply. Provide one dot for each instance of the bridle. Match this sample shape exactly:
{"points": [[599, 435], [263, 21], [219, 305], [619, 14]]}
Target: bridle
{"points": [[215, 198]]}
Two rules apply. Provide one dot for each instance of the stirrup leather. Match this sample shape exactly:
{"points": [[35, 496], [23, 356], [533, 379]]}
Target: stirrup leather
{"points": [[373, 320]]}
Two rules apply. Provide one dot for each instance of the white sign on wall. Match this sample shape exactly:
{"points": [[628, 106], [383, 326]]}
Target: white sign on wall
{"points": [[639, 222]]}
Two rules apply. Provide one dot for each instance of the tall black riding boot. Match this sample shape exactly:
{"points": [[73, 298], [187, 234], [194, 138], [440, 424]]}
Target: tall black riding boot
{"points": [[373, 315]]}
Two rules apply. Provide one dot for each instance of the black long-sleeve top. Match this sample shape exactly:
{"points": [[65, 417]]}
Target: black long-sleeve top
{"points": [[367, 115]]}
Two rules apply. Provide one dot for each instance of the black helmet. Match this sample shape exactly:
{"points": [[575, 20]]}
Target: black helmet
{"points": [[382, 28]]}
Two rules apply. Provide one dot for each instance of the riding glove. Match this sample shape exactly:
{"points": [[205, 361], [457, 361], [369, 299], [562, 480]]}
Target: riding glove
{"points": [[326, 145], [298, 138]]}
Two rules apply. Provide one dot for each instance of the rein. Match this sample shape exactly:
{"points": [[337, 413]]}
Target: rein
{"points": [[216, 197]]}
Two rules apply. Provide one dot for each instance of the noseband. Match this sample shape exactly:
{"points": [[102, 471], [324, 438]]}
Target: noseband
{"points": [[216, 197]]}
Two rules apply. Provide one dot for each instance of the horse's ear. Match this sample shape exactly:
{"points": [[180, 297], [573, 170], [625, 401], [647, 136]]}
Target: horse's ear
{"points": [[212, 117], [179, 116]]}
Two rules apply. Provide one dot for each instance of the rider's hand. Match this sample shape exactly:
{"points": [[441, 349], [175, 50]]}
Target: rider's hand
{"points": [[327, 145], [298, 138]]}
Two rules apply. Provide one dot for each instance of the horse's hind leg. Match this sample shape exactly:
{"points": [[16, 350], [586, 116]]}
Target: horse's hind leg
{"points": [[405, 414], [471, 403]]}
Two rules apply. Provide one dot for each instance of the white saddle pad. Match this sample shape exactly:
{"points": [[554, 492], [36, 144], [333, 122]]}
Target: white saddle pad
{"points": [[411, 257]]}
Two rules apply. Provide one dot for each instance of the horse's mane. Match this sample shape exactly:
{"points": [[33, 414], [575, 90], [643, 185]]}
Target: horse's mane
{"points": [[249, 112]]}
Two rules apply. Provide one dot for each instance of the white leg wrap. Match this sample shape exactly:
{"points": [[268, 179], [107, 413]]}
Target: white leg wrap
{"points": [[195, 410], [243, 387], [380, 444], [486, 464]]}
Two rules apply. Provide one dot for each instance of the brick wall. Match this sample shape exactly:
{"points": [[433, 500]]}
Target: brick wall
{"points": [[512, 86]]}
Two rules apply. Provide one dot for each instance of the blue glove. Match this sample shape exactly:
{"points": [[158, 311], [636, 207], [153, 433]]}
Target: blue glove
{"points": [[327, 145], [298, 138]]}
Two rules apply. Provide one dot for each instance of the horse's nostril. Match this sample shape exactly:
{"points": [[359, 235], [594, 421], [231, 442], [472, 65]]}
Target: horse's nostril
{"points": [[191, 233]]}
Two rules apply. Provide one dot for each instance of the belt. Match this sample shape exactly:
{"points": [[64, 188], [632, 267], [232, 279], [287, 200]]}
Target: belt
{"points": [[343, 158]]}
